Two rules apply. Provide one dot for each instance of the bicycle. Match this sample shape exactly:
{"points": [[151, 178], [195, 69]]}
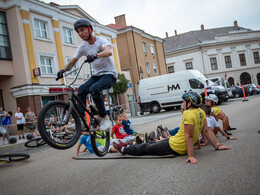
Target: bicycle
{"points": [[64, 131], [6, 158], [35, 143]]}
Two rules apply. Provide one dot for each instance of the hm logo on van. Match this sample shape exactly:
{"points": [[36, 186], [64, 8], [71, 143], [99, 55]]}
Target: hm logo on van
{"points": [[173, 87]]}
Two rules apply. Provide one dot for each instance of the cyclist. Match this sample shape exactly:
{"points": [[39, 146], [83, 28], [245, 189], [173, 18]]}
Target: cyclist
{"points": [[98, 52], [193, 123], [211, 101]]}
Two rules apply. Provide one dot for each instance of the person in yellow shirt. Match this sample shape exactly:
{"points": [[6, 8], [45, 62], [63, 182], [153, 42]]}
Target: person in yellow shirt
{"points": [[193, 123], [211, 101]]}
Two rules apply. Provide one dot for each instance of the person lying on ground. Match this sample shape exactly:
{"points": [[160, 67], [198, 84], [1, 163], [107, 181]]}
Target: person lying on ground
{"points": [[211, 101], [193, 123]]}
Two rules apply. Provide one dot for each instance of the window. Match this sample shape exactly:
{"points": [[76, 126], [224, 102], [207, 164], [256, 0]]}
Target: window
{"points": [[47, 99], [188, 66], [170, 69], [68, 35], [213, 62], [242, 59], [147, 65], [47, 65], [228, 62], [41, 28], [155, 68], [144, 47], [5, 49], [256, 57], [152, 49], [195, 84]]}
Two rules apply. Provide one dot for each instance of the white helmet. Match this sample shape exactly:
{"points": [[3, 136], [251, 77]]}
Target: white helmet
{"points": [[212, 97]]}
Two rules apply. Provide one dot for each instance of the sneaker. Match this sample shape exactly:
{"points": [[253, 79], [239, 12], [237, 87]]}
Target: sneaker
{"points": [[159, 133], [119, 147], [227, 132], [152, 136], [231, 129], [105, 124], [23, 137], [146, 138], [138, 140], [123, 143], [20, 138]]}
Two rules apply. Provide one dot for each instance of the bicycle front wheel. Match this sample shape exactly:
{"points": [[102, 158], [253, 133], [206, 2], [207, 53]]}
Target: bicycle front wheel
{"points": [[15, 157], [54, 127], [100, 142]]}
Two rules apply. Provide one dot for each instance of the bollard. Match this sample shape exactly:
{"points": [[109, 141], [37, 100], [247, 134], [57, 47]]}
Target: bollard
{"points": [[87, 116], [244, 94], [205, 90]]}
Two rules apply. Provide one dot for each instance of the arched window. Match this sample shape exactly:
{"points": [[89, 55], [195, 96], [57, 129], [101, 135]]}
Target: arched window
{"points": [[258, 78], [231, 81], [245, 78]]}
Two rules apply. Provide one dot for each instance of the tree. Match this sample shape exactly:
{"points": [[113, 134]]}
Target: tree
{"points": [[121, 86]]}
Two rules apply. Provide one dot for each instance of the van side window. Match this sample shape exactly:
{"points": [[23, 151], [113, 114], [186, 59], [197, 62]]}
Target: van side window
{"points": [[195, 84]]}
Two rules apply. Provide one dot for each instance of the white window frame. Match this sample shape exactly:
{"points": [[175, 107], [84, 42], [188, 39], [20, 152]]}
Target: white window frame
{"points": [[67, 60], [148, 68], [48, 26], [211, 63], [155, 68], [144, 47], [152, 49], [54, 67], [186, 67], [170, 65], [73, 36]]}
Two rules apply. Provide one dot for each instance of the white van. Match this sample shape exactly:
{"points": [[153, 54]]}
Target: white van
{"points": [[165, 91]]}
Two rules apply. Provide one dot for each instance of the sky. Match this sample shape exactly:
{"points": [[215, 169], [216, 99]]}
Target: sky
{"points": [[156, 17]]}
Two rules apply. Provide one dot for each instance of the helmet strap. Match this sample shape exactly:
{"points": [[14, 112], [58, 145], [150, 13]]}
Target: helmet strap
{"points": [[89, 32], [187, 107]]}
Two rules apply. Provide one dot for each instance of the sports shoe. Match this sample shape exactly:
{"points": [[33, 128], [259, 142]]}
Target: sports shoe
{"points": [[123, 143], [119, 147], [146, 138], [138, 140], [159, 133], [231, 129], [152, 136], [227, 132], [105, 124]]}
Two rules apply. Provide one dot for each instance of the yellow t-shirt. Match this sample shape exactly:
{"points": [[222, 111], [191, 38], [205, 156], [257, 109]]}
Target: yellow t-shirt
{"points": [[216, 111], [195, 117]]}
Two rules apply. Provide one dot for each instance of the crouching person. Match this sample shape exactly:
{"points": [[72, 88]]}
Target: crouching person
{"points": [[193, 123]]}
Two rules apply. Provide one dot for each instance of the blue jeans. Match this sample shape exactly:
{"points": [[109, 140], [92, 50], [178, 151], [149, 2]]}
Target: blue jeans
{"points": [[174, 131], [95, 85]]}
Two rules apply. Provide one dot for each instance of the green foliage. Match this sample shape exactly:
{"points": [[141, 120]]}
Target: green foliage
{"points": [[121, 86]]}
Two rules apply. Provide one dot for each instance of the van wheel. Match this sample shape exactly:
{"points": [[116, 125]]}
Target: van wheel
{"points": [[141, 113], [155, 108]]}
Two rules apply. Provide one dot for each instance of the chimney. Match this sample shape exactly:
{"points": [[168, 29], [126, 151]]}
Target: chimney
{"points": [[235, 23], [175, 32], [166, 35], [202, 27], [120, 20]]}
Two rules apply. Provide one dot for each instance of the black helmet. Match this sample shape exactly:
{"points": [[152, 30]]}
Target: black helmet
{"points": [[192, 97], [82, 22], [117, 110]]}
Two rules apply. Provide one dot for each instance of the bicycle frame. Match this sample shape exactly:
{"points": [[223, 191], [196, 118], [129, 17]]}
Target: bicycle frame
{"points": [[73, 99]]}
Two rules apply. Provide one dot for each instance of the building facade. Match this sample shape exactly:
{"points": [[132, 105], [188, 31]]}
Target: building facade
{"points": [[38, 36], [140, 53], [231, 52]]}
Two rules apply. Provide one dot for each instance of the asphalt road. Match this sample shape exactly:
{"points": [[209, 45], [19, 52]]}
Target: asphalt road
{"points": [[235, 171]]}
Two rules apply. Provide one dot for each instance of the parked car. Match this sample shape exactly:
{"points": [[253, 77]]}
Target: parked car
{"points": [[238, 91], [221, 92], [256, 88], [250, 89]]}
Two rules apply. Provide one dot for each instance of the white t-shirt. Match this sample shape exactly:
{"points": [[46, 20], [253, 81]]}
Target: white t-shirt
{"points": [[209, 85], [106, 105], [101, 66], [19, 115], [212, 123]]}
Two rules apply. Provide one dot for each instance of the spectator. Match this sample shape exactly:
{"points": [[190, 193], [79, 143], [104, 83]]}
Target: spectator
{"points": [[3, 128], [19, 116], [30, 120]]}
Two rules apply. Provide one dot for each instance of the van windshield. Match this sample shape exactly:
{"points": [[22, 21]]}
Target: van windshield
{"points": [[196, 84]]}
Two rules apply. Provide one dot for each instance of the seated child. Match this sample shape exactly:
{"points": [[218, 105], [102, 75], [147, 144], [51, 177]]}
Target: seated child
{"points": [[127, 125]]}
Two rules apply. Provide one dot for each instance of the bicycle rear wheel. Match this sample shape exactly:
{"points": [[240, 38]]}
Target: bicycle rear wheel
{"points": [[52, 126], [100, 142], [15, 157], [35, 143]]}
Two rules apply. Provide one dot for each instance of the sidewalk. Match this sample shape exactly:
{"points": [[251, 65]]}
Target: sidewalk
{"points": [[19, 141]]}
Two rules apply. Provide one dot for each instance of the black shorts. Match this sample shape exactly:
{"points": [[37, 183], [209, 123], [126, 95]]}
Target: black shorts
{"points": [[20, 127]]}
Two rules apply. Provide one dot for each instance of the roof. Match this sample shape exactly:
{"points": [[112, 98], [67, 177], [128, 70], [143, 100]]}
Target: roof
{"points": [[116, 26], [193, 38]]}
